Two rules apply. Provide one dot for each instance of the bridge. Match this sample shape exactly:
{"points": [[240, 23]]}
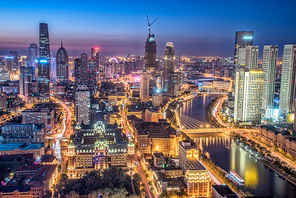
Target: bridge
{"points": [[193, 126], [217, 130]]}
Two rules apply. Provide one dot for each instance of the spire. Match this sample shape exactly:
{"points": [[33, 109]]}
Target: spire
{"points": [[61, 42]]}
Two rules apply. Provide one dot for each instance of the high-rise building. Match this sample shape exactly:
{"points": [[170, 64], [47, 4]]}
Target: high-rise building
{"points": [[144, 86], [15, 59], [270, 53], [81, 70], [169, 64], [95, 56], [251, 57], [150, 53], [32, 54], [82, 103], [62, 61], [242, 39], [287, 90], [25, 80], [248, 95], [44, 63], [175, 83]]}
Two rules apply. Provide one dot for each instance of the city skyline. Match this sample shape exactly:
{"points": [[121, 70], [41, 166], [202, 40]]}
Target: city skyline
{"points": [[120, 29]]}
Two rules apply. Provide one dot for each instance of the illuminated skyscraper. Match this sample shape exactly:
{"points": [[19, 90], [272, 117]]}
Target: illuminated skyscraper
{"points": [[288, 87], [82, 104], [270, 53], [44, 63], [169, 64], [242, 39], [95, 56], [150, 53], [81, 70], [175, 83], [248, 95], [144, 86], [62, 65], [32, 54]]}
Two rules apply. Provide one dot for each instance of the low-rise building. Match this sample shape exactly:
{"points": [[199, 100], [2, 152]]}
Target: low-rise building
{"points": [[279, 138], [19, 148], [186, 150], [23, 133], [222, 191], [43, 114], [197, 179], [153, 115]]}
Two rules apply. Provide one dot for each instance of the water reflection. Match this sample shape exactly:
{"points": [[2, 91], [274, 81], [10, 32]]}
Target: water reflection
{"points": [[259, 180]]}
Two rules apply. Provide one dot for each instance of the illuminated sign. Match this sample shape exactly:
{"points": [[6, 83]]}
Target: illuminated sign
{"points": [[8, 57], [248, 37], [43, 61]]}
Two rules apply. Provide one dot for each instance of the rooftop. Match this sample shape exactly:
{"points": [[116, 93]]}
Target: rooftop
{"points": [[21, 146], [224, 191], [194, 164]]}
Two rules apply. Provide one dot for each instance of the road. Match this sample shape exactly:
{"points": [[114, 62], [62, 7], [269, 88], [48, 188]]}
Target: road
{"points": [[215, 112], [139, 165], [64, 132], [142, 174]]}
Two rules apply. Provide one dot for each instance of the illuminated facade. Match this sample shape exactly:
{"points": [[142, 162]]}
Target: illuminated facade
{"points": [[33, 57], [175, 83], [270, 53], [153, 137], [157, 99], [82, 103], [169, 65], [287, 93], [197, 179], [62, 69], [95, 56], [186, 151], [242, 39], [144, 86], [248, 96], [97, 147], [44, 63]]}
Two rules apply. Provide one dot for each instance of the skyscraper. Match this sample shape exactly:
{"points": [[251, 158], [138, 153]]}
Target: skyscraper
{"points": [[175, 83], [144, 86], [62, 65], [251, 57], [32, 54], [150, 53], [248, 95], [269, 61], [44, 63], [169, 64], [288, 87], [81, 70], [33, 49], [95, 56], [82, 104], [242, 39]]}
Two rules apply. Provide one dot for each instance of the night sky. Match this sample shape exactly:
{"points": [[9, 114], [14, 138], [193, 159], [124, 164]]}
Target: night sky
{"points": [[199, 28]]}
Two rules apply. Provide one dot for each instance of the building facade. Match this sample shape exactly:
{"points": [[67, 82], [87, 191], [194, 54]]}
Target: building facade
{"points": [[269, 62], [169, 65], [144, 86], [82, 104], [44, 63], [62, 65], [287, 93]]}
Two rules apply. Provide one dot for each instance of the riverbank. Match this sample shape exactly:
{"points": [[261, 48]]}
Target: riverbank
{"points": [[262, 159]]}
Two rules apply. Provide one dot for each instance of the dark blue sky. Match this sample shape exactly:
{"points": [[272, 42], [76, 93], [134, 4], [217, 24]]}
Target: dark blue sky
{"points": [[200, 28]]}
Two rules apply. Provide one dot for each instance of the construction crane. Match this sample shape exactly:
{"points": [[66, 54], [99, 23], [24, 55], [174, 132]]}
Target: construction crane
{"points": [[150, 24]]}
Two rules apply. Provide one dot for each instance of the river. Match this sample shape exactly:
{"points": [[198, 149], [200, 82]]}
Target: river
{"points": [[259, 179]]}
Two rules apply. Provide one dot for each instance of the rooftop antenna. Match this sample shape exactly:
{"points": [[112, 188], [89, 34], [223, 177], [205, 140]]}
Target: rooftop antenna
{"points": [[150, 24]]}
